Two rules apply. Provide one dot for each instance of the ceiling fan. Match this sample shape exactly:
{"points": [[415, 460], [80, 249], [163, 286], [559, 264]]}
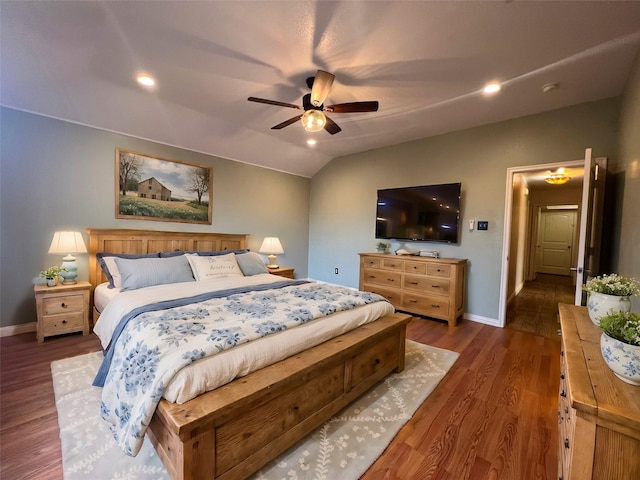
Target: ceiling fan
{"points": [[313, 119]]}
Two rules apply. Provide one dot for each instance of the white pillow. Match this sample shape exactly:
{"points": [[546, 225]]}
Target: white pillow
{"points": [[219, 266]]}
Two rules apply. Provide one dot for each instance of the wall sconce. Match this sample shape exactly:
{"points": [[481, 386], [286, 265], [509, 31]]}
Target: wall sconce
{"points": [[68, 243], [273, 247]]}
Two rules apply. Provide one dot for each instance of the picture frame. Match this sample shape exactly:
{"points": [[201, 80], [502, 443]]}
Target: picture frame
{"points": [[159, 189]]}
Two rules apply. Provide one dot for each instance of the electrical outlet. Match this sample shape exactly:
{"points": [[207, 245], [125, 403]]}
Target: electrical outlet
{"points": [[335, 271], [483, 225]]}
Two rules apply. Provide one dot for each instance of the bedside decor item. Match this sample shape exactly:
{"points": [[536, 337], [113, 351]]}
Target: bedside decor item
{"points": [[609, 292], [272, 247], [51, 274], [68, 243], [620, 345], [382, 247]]}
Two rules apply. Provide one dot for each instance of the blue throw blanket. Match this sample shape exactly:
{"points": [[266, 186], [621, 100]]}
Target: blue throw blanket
{"points": [[155, 344]]}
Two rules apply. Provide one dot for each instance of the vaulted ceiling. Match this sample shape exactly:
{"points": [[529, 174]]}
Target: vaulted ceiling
{"points": [[425, 62]]}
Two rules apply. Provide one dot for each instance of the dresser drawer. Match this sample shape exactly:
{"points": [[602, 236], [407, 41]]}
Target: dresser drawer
{"points": [[62, 304], [419, 268], [392, 264], [439, 270], [394, 296], [54, 324], [370, 262], [431, 286], [438, 307], [382, 277]]}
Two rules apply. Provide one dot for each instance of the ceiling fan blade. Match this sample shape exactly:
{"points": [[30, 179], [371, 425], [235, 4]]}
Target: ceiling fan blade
{"points": [[286, 123], [353, 107], [331, 126], [273, 102], [321, 87]]}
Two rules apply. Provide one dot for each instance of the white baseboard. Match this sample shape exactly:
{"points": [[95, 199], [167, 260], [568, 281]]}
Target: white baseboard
{"points": [[480, 319], [17, 329]]}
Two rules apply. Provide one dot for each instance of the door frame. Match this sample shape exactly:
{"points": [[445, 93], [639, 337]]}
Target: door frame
{"points": [[506, 238]]}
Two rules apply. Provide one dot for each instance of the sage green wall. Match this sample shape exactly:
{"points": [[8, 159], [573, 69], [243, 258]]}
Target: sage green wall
{"points": [[343, 194], [627, 168], [57, 175]]}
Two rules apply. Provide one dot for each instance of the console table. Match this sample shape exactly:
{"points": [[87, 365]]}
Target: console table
{"points": [[598, 414]]}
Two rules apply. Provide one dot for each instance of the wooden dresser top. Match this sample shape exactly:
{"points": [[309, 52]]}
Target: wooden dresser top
{"points": [[593, 387]]}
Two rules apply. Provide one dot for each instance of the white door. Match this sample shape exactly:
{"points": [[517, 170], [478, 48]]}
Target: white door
{"points": [[590, 223], [554, 249]]}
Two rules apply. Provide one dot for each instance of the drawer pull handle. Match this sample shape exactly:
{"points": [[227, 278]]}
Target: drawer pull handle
{"points": [[63, 305], [562, 376], [435, 306], [566, 443], [64, 321], [390, 280], [413, 301], [435, 286], [563, 393], [413, 283]]}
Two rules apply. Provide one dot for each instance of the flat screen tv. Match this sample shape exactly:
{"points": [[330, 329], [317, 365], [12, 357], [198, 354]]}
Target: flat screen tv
{"points": [[427, 213]]}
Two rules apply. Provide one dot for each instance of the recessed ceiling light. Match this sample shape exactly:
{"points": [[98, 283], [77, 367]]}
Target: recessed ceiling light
{"points": [[311, 141], [492, 87], [146, 80]]}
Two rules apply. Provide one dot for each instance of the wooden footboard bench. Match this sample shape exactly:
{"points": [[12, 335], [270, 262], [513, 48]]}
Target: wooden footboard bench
{"points": [[233, 431]]}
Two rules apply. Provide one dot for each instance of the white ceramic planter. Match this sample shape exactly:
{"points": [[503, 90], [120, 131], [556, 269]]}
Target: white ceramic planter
{"points": [[600, 304], [623, 359]]}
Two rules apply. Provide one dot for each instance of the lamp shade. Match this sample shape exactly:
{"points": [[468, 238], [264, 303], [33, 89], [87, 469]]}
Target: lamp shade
{"points": [[67, 242], [273, 247]]}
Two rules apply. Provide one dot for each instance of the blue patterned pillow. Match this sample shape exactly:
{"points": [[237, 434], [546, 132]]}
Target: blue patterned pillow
{"points": [[147, 272]]}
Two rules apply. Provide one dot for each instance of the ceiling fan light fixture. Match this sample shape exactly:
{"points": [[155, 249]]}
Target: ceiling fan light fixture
{"points": [[557, 179], [313, 120]]}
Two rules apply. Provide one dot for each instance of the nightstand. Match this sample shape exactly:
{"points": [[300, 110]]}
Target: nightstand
{"points": [[62, 309], [282, 271]]}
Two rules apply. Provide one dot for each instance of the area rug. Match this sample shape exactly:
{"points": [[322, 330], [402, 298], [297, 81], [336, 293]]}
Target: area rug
{"points": [[344, 447]]}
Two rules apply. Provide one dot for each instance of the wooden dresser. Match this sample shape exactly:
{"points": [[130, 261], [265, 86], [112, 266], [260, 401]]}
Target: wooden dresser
{"points": [[433, 287], [598, 414]]}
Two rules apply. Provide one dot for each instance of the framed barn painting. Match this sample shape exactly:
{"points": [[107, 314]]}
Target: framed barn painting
{"points": [[153, 188]]}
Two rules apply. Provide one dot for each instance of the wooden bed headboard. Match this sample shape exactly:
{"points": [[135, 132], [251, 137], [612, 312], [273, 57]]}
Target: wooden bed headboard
{"points": [[150, 241]]}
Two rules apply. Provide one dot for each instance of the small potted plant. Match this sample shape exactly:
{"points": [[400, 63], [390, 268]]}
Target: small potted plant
{"points": [[382, 247], [620, 344], [610, 292], [52, 274]]}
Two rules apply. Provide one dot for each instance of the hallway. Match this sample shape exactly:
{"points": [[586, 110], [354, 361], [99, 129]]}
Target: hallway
{"points": [[535, 309]]}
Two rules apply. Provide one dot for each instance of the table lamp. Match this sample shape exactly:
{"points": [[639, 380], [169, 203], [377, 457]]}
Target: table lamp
{"points": [[272, 247], [68, 243]]}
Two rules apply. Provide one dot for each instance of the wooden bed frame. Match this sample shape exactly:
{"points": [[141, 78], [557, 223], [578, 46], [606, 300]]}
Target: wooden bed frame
{"points": [[231, 432]]}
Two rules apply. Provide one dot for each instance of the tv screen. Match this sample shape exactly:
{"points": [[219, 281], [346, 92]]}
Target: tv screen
{"points": [[426, 213]]}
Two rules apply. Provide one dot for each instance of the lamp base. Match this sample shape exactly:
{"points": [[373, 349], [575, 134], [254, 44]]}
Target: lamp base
{"points": [[71, 272], [272, 261]]}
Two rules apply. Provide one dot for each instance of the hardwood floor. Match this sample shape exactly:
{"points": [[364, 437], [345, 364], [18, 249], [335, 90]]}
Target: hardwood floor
{"points": [[535, 309], [494, 416]]}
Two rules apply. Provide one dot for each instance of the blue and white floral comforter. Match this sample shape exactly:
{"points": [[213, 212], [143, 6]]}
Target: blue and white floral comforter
{"points": [[155, 345]]}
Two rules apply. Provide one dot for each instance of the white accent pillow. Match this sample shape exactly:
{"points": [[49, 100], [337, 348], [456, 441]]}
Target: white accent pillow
{"points": [[219, 266]]}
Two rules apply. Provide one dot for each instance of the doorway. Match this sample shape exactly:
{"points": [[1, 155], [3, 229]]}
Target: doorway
{"points": [[528, 196]]}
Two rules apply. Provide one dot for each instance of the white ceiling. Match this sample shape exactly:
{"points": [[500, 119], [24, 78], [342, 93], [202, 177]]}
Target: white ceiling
{"points": [[425, 62]]}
